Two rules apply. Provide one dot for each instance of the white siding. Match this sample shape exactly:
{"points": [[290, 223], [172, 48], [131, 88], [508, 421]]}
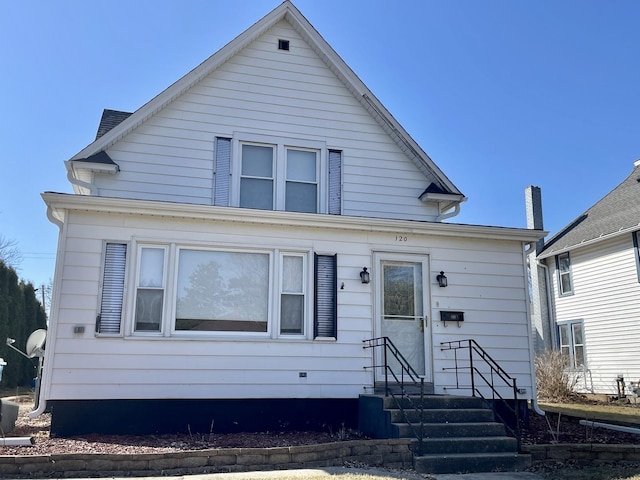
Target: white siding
{"points": [[269, 92], [486, 281], [607, 299]]}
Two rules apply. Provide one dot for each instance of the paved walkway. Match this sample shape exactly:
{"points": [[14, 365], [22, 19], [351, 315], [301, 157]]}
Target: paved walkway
{"points": [[330, 472]]}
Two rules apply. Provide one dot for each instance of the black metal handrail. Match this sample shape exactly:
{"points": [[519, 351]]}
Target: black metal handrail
{"points": [[496, 374], [405, 378]]}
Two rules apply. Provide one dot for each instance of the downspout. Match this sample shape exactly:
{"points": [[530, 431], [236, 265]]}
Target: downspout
{"points": [[534, 395], [550, 303], [45, 373], [93, 190], [451, 213]]}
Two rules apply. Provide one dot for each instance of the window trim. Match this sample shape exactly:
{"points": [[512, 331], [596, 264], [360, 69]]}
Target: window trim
{"points": [[280, 145], [136, 280], [218, 334], [572, 345], [561, 292]]}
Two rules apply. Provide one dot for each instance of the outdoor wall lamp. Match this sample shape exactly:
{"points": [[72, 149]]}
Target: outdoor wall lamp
{"points": [[442, 280], [364, 275]]}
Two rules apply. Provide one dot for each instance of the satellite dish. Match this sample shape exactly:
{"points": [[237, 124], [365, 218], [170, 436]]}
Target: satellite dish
{"points": [[35, 342]]}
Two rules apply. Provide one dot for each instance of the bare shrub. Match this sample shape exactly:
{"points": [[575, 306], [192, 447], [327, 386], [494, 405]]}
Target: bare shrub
{"points": [[553, 380]]}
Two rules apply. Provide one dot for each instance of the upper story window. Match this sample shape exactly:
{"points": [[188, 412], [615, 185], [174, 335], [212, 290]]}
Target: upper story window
{"points": [[272, 173], [563, 267], [279, 178]]}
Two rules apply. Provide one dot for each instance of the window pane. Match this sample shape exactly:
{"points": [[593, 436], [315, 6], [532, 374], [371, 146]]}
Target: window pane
{"points": [[151, 267], [578, 357], [565, 283], [222, 291], [256, 193], [577, 333], [291, 314], [292, 274], [257, 161], [564, 335], [564, 264], [400, 283], [301, 165], [301, 197], [149, 309]]}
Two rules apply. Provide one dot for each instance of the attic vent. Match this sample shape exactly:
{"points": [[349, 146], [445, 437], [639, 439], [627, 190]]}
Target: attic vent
{"points": [[283, 44]]}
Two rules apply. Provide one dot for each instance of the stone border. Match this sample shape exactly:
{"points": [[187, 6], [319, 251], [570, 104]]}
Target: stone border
{"points": [[392, 453], [586, 452]]}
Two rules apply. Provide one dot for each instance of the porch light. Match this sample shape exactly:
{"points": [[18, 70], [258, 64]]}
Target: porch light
{"points": [[364, 275], [442, 280]]}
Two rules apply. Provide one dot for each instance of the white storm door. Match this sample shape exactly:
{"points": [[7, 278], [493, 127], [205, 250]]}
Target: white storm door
{"points": [[403, 305]]}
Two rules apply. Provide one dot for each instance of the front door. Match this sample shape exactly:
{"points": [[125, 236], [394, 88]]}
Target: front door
{"points": [[403, 284]]}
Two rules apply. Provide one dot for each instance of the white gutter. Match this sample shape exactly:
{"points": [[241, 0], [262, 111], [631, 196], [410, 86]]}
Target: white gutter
{"points": [[550, 302], [62, 201]]}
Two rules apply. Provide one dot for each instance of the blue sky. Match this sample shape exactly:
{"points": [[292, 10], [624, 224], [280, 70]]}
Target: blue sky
{"points": [[500, 93]]}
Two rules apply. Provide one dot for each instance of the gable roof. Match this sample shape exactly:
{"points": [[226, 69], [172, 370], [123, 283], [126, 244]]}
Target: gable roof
{"points": [[617, 213], [292, 15]]}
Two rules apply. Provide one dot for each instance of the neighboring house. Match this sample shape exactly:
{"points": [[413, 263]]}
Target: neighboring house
{"points": [[209, 263], [589, 290]]}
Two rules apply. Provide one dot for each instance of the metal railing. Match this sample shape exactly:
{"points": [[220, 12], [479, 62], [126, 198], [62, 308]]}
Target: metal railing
{"points": [[480, 366], [397, 384]]}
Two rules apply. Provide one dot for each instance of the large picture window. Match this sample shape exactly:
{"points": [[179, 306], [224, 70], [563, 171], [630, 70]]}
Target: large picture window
{"points": [[220, 291]]}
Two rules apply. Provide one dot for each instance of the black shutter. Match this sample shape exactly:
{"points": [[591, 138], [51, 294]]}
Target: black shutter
{"points": [[335, 182], [110, 315], [326, 297], [222, 172]]}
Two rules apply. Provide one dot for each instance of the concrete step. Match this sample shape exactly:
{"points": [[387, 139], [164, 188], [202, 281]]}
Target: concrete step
{"points": [[473, 462], [443, 415], [433, 402], [445, 430], [467, 445]]}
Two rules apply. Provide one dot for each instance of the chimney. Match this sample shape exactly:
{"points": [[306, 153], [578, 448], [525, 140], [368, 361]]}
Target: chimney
{"points": [[533, 203]]}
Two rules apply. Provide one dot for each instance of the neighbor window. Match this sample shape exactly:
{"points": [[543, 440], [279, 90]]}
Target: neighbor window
{"points": [[572, 343], [563, 266], [636, 249]]}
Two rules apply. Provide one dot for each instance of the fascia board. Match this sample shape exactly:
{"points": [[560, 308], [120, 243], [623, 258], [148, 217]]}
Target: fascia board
{"points": [[69, 202], [586, 243]]}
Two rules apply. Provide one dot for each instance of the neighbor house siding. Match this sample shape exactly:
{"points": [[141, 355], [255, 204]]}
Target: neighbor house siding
{"points": [[607, 299], [486, 281], [274, 93]]}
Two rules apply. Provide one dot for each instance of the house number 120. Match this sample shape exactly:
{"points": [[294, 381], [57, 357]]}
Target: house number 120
{"points": [[401, 238]]}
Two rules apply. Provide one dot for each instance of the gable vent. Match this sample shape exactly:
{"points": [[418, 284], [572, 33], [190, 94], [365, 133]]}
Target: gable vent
{"points": [[283, 44]]}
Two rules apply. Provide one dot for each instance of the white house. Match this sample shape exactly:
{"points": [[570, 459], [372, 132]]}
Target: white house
{"points": [[591, 308], [209, 263]]}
